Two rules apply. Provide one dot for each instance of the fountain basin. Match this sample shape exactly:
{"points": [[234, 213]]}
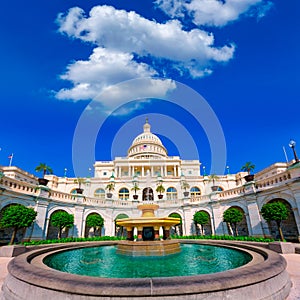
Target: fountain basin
{"points": [[264, 277], [148, 248]]}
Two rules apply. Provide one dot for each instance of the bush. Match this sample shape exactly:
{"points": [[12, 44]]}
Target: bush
{"points": [[74, 239], [225, 237]]}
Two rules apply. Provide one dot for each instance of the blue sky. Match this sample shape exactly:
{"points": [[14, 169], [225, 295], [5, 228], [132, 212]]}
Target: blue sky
{"points": [[59, 63]]}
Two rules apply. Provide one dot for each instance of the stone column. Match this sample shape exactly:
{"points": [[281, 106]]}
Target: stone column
{"points": [[39, 226], [130, 236], [140, 234], [166, 232], [156, 233], [78, 222], [255, 221]]}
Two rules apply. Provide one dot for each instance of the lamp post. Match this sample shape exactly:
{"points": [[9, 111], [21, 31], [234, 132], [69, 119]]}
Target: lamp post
{"points": [[292, 144]]}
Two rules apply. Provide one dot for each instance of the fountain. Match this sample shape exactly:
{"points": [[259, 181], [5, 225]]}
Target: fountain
{"points": [[148, 242], [147, 268]]}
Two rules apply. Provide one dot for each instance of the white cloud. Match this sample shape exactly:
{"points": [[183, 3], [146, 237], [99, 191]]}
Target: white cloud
{"points": [[128, 32], [213, 12], [103, 69]]}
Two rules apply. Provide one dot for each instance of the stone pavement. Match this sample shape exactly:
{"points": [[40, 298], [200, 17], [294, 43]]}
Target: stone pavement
{"points": [[293, 268]]}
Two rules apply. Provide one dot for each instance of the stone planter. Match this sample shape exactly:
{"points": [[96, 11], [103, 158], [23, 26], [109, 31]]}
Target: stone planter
{"points": [[109, 195], [43, 181], [79, 191], [160, 196], [135, 197], [214, 188], [186, 194], [249, 177]]}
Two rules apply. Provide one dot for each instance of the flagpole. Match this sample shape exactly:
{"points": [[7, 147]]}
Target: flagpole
{"points": [[10, 159], [285, 154]]}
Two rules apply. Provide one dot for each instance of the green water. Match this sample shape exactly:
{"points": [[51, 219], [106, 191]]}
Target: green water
{"points": [[103, 261]]}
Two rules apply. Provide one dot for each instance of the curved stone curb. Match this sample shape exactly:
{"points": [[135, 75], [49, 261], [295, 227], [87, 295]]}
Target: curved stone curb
{"points": [[264, 278]]}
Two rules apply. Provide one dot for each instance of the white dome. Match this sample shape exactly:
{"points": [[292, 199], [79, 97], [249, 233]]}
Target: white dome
{"points": [[147, 144]]}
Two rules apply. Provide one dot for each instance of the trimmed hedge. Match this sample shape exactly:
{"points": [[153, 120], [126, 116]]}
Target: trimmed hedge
{"points": [[225, 237], [74, 239]]}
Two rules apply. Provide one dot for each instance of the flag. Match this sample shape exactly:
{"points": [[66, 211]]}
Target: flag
{"points": [[10, 156], [143, 147]]}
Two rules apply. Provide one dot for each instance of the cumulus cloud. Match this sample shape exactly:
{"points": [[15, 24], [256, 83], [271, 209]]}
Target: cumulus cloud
{"points": [[213, 12], [128, 32], [103, 69]]}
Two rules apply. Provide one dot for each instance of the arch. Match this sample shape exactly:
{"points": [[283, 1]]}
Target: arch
{"points": [[205, 229], [195, 191], [73, 191], [52, 232], [171, 193], [123, 193], [6, 233], [289, 226], [120, 231], [90, 231], [242, 227], [177, 229], [148, 194], [99, 193]]}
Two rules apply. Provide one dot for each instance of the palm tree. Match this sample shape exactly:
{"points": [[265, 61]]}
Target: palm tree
{"points": [[42, 167], [79, 181], [160, 189], [213, 178], [248, 167], [185, 186], [110, 187], [135, 188]]}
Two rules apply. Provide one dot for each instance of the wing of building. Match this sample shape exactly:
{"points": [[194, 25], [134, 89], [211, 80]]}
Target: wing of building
{"points": [[147, 173]]}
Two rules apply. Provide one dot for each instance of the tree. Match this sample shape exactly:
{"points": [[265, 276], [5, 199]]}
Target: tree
{"points": [[185, 185], [61, 219], [42, 167], [233, 216], [201, 218], [213, 178], [110, 187], [95, 221], [277, 212], [248, 167], [79, 181], [135, 188], [17, 216], [160, 189]]}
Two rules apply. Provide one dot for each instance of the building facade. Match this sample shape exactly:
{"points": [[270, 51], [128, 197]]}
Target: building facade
{"points": [[118, 186]]}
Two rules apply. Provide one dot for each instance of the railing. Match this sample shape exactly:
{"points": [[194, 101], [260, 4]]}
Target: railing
{"points": [[273, 180], [18, 186]]}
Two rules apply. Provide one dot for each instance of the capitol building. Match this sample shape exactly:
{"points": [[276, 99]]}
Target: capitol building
{"points": [[147, 173]]}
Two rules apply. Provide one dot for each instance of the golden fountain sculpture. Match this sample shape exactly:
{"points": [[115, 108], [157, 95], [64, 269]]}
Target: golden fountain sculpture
{"points": [[148, 241]]}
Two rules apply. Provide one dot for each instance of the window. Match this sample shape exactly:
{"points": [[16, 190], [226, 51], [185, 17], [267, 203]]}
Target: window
{"points": [[195, 191], [171, 193], [99, 193], [73, 191], [123, 194]]}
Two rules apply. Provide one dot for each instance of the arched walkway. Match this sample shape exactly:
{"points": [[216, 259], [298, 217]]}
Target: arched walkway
{"points": [[242, 227], [289, 226], [91, 231], [52, 232], [177, 229], [120, 231], [206, 229]]}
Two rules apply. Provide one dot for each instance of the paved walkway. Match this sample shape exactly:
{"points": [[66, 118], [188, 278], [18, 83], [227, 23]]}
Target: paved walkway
{"points": [[293, 267]]}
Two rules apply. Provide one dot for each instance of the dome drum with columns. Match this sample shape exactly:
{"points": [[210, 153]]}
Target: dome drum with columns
{"points": [[147, 145]]}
